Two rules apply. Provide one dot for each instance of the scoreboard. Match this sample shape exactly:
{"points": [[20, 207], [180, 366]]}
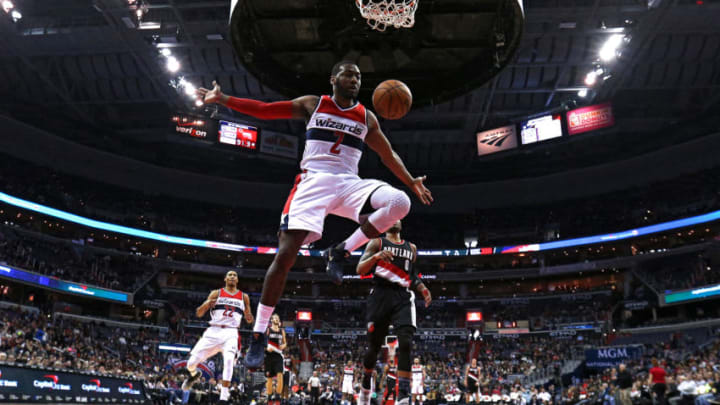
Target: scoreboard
{"points": [[240, 135]]}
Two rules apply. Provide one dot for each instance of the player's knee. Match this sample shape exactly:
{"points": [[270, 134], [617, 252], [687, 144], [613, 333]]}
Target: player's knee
{"points": [[192, 363], [399, 205], [370, 358], [405, 336]]}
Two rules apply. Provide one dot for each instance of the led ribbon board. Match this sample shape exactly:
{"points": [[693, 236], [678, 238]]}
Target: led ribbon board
{"points": [[535, 247], [691, 295], [51, 283]]}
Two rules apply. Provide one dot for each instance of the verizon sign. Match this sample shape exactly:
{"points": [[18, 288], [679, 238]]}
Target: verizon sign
{"points": [[590, 118], [496, 140]]}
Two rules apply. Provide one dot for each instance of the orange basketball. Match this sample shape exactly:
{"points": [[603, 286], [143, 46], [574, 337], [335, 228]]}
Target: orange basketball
{"points": [[392, 99]]}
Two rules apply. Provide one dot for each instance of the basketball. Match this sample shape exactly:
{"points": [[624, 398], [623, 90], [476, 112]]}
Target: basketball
{"points": [[392, 99]]}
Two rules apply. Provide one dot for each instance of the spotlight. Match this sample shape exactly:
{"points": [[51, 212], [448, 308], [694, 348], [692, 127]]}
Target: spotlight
{"points": [[590, 78], [165, 52], [139, 13], [609, 49], [172, 64], [189, 89], [15, 15], [7, 5], [582, 93], [198, 103]]}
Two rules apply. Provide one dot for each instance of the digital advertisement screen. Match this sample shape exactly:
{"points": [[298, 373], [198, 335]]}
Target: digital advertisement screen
{"points": [[496, 140], [190, 126], [52, 283], [541, 129], [33, 385], [243, 136], [590, 118]]}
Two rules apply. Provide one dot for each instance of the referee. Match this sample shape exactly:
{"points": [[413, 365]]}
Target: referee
{"points": [[314, 388]]}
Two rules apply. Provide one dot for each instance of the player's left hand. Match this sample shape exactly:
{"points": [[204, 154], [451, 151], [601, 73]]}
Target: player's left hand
{"points": [[249, 319], [421, 191], [426, 296]]}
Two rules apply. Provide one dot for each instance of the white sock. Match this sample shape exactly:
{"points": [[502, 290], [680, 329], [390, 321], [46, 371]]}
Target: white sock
{"points": [[224, 393], [262, 318], [357, 239]]}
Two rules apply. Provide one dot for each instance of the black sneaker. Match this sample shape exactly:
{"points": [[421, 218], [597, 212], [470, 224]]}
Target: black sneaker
{"points": [[256, 352], [335, 257], [192, 379]]}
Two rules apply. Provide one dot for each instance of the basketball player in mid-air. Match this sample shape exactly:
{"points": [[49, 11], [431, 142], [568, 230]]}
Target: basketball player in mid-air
{"points": [[391, 301], [338, 126], [472, 382], [226, 307], [274, 364]]}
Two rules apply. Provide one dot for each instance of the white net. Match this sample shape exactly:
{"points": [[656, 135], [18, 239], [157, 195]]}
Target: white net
{"points": [[381, 14]]}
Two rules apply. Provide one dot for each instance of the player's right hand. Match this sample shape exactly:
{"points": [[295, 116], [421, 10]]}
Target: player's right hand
{"points": [[384, 255], [421, 191], [210, 96]]}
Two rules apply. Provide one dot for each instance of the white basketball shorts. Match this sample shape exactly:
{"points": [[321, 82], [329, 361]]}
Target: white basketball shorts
{"points": [[216, 340], [316, 195]]}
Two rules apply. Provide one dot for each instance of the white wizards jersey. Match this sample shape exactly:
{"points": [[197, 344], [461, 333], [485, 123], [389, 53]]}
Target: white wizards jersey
{"points": [[228, 309], [348, 374], [417, 373], [334, 138]]}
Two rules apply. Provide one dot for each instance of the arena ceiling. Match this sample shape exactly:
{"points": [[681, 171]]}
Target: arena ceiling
{"points": [[87, 70]]}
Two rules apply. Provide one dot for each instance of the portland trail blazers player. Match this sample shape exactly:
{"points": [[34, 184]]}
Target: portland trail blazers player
{"points": [[391, 302]]}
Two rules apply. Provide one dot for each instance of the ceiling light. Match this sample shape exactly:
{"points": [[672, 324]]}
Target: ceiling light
{"points": [[198, 103], [172, 64], [189, 89], [165, 52], [609, 49], [582, 93], [15, 15], [7, 5], [590, 78]]}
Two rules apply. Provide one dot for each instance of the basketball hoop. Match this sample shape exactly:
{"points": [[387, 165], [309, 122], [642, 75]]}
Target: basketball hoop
{"points": [[383, 13]]}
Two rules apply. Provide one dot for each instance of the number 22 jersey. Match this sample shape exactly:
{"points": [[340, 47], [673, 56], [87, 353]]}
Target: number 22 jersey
{"points": [[228, 309]]}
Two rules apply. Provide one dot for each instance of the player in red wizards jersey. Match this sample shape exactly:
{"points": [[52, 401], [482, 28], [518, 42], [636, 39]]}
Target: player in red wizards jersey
{"points": [[337, 128]]}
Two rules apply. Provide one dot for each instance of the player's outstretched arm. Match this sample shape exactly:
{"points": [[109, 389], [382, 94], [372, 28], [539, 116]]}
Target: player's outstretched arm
{"points": [[248, 312], [372, 255], [299, 108], [378, 142], [209, 303]]}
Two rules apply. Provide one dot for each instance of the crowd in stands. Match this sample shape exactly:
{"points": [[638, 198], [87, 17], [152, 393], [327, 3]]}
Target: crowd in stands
{"points": [[37, 338], [73, 261], [680, 273], [525, 368]]}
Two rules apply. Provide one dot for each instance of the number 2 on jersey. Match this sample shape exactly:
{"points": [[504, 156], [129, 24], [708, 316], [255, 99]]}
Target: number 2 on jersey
{"points": [[228, 311], [335, 149]]}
